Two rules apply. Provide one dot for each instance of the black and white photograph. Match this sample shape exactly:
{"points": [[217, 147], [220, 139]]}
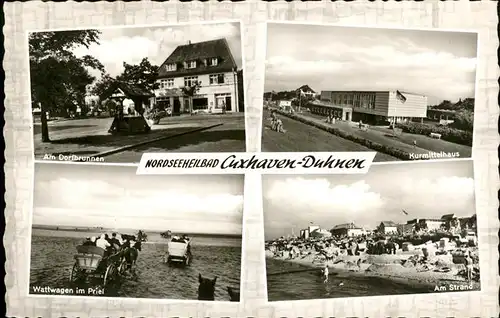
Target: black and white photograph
{"points": [[407, 94], [111, 94], [400, 229], [103, 231]]}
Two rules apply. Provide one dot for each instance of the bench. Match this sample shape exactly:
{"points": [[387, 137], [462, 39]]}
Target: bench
{"points": [[435, 135]]}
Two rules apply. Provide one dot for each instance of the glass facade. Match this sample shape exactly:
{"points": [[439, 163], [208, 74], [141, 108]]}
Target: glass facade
{"points": [[354, 99]]}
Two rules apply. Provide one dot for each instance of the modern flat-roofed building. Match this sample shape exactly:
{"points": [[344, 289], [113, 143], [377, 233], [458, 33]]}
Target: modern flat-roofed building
{"points": [[371, 107], [212, 64]]}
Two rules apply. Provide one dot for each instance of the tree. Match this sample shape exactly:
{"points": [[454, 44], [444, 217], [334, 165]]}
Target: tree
{"points": [[102, 85], [190, 91], [144, 74], [59, 78], [464, 120]]}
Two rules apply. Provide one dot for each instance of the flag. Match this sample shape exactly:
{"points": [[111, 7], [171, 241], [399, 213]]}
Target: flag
{"points": [[406, 213], [400, 96]]}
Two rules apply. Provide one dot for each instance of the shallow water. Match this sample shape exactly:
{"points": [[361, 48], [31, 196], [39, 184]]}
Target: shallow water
{"points": [[308, 284], [52, 260]]}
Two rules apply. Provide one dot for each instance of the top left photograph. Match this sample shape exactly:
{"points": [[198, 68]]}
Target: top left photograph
{"points": [[108, 95]]}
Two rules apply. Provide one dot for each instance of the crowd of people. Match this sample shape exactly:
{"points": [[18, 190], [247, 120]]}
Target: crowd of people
{"points": [[329, 249], [112, 243]]}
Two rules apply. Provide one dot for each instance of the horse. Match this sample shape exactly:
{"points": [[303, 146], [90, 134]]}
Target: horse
{"points": [[130, 255], [206, 289], [234, 294]]}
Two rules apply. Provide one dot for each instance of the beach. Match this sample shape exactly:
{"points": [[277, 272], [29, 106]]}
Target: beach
{"points": [[405, 269]]}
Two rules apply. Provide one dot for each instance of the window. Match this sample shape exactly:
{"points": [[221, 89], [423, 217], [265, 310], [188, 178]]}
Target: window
{"points": [[190, 81], [171, 67], [213, 61], [356, 100], [349, 99], [167, 83], [216, 79], [191, 64], [372, 101]]}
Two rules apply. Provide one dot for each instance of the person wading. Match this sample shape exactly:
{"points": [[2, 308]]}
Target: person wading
{"points": [[325, 274]]}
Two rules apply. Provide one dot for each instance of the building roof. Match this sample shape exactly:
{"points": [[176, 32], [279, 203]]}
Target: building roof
{"points": [[130, 90], [445, 111], [346, 226], [306, 89], [199, 52], [378, 91], [389, 223], [448, 216]]}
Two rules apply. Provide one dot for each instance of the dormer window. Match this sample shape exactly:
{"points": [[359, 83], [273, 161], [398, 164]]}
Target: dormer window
{"points": [[214, 61], [191, 64], [171, 67]]}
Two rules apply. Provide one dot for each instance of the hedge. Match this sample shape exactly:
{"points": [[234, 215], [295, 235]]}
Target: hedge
{"points": [[457, 136], [392, 151]]}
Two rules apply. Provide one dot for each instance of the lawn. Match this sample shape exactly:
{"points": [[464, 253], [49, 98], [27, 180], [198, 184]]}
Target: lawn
{"points": [[300, 137], [403, 141]]}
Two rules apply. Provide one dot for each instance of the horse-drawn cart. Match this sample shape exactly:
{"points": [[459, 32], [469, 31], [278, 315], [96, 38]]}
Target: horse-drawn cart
{"points": [[178, 251], [91, 262]]}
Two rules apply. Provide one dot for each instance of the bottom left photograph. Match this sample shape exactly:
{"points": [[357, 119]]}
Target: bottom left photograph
{"points": [[101, 230]]}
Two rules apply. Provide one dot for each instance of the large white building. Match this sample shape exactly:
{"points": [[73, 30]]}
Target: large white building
{"points": [[209, 63], [371, 107]]}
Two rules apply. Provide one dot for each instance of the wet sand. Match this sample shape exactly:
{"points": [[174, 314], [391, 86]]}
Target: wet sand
{"points": [[391, 267]]}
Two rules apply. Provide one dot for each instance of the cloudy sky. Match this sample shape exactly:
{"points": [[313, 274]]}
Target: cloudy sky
{"points": [[115, 197], [131, 45], [438, 64], [423, 189]]}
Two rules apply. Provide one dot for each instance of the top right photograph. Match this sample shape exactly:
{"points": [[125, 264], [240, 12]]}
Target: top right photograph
{"points": [[407, 94]]}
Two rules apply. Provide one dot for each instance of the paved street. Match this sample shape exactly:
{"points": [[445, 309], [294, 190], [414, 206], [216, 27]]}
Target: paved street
{"points": [[300, 137], [90, 136], [229, 137]]}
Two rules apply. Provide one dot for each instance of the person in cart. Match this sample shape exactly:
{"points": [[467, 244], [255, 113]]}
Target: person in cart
{"points": [[115, 242]]}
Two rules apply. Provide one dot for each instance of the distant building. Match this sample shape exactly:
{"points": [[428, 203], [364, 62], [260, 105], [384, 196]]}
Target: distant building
{"points": [[371, 106], [307, 91], [347, 229], [443, 116], [306, 233], [284, 103], [405, 228], [426, 224], [320, 233], [210, 63], [450, 222], [387, 227]]}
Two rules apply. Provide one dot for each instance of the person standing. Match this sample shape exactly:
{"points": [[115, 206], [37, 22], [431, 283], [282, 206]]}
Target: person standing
{"points": [[325, 274], [469, 266]]}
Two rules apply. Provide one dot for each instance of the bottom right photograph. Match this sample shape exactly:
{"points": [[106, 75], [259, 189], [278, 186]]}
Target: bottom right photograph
{"points": [[402, 228]]}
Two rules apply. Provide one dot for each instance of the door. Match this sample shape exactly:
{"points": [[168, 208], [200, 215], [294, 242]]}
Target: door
{"points": [[228, 103], [177, 106], [348, 116]]}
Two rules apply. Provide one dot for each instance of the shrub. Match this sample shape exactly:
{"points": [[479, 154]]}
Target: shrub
{"points": [[464, 120], [392, 151], [449, 134]]}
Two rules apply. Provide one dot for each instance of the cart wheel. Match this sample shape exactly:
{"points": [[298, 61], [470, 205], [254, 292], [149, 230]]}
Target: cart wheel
{"points": [[73, 275], [123, 267], [109, 275]]}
